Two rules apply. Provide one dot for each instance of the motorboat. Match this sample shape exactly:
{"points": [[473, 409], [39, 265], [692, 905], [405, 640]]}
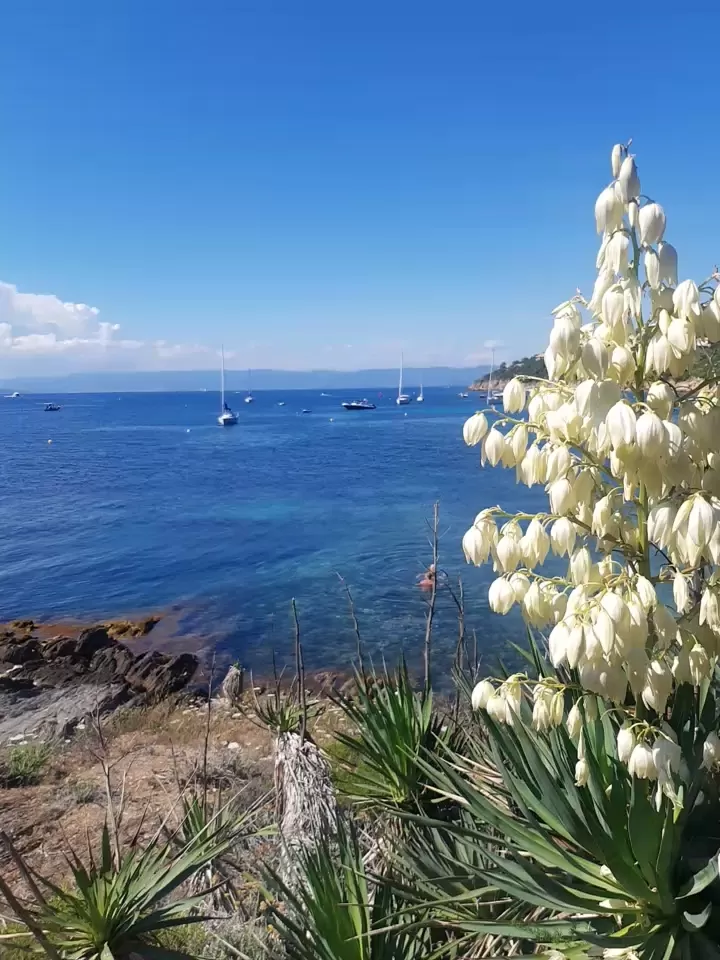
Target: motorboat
{"points": [[228, 417], [358, 405], [463, 396], [52, 407], [12, 396]]}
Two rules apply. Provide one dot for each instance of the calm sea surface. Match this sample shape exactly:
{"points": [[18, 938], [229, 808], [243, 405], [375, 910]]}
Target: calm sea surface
{"points": [[142, 503]]}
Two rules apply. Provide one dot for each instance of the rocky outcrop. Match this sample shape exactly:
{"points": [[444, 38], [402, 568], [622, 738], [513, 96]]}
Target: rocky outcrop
{"points": [[48, 686]]}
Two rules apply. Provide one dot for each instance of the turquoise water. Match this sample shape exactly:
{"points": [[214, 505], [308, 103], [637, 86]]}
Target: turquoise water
{"points": [[142, 503]]}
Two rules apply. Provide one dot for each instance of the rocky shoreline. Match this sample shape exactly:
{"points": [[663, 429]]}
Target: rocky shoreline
{"points": [[52, 679]]}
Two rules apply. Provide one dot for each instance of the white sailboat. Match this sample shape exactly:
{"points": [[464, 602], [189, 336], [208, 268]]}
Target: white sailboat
{"points": [[420, 398], [227, 418], [402, 398], [249, 398]]}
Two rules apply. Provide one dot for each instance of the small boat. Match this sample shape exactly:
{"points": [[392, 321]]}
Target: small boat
{"points": [[12, 396], [464, 396], [281, 403], [325, 394], [51, 407], [227, 417], [306, 411], [420, 398], [402, 398], [358, 405]]}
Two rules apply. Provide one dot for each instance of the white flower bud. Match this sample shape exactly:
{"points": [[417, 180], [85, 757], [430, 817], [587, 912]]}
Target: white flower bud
{"points": [[681, 592], [474, 429], [513, 396], [668, 264], [628, 180], [582, 773], [625, 743], [616, 159], [652, 268], [711, 751], [575, 721], [562, 536], [481, 694], [642, 763], [651, 222], [633, 211], [660, 398], [501, 596]]}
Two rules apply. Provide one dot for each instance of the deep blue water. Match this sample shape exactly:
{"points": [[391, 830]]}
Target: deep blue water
{"points": [[142, 503]]}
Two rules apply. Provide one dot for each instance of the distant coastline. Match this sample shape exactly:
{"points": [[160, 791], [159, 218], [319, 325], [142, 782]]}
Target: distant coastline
{"points": [[189, 381]]}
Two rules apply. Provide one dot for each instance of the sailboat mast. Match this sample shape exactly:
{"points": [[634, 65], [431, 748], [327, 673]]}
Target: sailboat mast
{"points": [[222, 378], [401, 373], [492, 368]]}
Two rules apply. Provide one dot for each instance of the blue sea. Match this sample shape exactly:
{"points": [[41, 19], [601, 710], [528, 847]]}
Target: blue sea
{"points": [[142, 504]]}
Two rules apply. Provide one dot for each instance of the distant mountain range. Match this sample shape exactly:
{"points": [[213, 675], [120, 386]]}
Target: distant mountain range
{"points": [[187, 380]]}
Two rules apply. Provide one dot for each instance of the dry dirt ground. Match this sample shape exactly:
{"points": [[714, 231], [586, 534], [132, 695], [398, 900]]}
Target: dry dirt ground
{"points": [[149, 751]]}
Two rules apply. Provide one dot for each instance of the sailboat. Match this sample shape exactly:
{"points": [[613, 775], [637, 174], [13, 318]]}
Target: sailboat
{"points": [[420, 398], [401, 397], [492, 397], [249, 398], [227, 418]]}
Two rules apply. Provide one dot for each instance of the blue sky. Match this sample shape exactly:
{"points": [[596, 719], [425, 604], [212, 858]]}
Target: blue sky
{"points": [[323, 184]]}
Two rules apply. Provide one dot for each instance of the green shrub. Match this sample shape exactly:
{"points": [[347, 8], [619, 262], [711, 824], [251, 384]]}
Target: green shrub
{"points": [[24, 765]]}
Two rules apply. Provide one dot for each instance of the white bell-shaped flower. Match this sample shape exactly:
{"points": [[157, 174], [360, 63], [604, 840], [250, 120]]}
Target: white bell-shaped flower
{"points": [[535, 544], [608, 210], [668, 264], [681, 592], [616, 159], [474, 429], [622, 364], [620, 423], [686, 300], [582, 773], [642, 763], [711, 751], [651, 223], [513, 396], [493, 447], [562, 497], [628, 180], [625, 743], [650, 434], [481, 694], [616, 253], [562, 536], [652, 268], [501, 596], [660, 398], [658, 685], [700, 666], [575, 721]]}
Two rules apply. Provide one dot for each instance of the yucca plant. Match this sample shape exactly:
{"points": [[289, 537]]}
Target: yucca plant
{"points": [[337, 911], [393, 724], [117, 905], [614, 863]]}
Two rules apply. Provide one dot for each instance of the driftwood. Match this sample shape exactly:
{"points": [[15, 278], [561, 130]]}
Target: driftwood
{"points": [[306, 804]]}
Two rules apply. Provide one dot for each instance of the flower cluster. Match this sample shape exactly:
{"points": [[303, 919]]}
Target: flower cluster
{"points": [[628, 453]]}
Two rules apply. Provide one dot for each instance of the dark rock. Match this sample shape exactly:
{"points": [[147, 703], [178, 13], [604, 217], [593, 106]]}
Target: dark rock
{"points": [[111, 663], [22, 652], [158, 675], [57, 647], [92, 640], [23, 625]]}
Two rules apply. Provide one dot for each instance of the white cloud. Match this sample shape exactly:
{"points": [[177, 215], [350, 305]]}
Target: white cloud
{"points": [[39, 332]]}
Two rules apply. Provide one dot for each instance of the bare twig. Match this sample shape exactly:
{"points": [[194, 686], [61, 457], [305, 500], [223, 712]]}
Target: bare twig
{"points": [[300, 672], [208, 718], [356, 626], [433, 595]]}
